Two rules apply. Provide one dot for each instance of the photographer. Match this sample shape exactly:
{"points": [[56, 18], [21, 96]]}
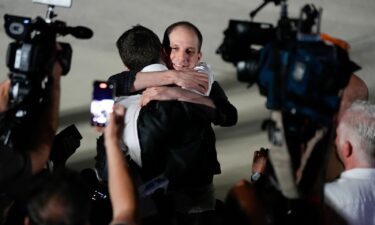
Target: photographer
{"points": [[63, 197], [19, 164]]}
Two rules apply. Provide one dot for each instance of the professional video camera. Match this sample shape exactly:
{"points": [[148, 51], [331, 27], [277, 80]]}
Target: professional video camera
{"points": [[30, 59], [294, 68], [302, 77]]}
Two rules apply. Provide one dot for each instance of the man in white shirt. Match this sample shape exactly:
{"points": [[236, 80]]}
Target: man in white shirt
{"points": [[151, 59], [170, 138], [352, 196]]}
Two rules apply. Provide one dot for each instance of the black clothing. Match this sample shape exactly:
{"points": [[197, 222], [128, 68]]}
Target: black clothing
{"points": [[176, 139], [15, 171], [123, 83], [225, 113]]}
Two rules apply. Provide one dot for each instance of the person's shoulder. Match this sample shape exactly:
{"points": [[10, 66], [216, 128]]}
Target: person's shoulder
{"points": [[163, 107], [173, 110], [118, 76]]}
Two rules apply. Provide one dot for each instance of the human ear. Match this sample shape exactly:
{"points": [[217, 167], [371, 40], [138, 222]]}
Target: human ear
{"points": [[199, 56], [347, 149]]}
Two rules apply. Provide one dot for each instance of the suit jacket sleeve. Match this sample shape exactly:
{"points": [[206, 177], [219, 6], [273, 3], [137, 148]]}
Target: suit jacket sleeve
{"points": [[171, 136], [123, 82], [226, 113]]}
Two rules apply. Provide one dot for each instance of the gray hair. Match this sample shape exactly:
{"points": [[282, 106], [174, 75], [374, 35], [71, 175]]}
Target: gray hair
{"points": [[358, 123]]}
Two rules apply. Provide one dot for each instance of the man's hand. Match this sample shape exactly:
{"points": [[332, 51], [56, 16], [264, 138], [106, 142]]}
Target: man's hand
{"points": [[174, 93], [160, 93], [4, 94], [260, 161], [190, 79], [115, 126]]}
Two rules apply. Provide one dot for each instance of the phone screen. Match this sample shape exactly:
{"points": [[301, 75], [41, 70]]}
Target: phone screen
{"points": [[102, 103]]}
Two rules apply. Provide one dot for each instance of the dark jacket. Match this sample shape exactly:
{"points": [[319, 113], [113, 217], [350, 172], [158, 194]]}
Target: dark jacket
{"points": [[225, 113], [177, 139]]}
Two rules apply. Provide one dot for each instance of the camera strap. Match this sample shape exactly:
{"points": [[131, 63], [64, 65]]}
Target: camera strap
{"points": [[293, 182]]}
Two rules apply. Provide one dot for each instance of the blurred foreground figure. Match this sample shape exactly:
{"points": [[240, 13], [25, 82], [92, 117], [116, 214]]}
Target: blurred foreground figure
{"points": [[64, 197], [356, 90], [352, 196]]}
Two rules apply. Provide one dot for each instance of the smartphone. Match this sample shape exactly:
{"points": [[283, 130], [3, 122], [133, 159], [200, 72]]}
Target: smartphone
{"points": [[101, 103]]}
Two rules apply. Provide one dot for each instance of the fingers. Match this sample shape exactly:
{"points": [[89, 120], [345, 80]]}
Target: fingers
{"points": [[193, 80], [144, 100], [119, 110], [157, 93], [147, 96], [256, 153], [200, 88], [115, 124], [263, 151], [261, 154]]}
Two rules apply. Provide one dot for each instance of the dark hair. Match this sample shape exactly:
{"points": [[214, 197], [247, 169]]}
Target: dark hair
{"points": [[170, 28], [139, 47], [60, 199]]}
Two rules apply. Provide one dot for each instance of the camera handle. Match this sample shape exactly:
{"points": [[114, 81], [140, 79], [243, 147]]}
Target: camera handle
{"points": [[255, 11], [50, 14]]}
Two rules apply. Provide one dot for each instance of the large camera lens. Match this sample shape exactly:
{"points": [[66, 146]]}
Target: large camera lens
{"points": [[247, 71], [17, 27]]}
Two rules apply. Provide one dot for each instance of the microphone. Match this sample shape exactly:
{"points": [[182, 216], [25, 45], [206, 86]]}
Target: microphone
{"points": [[78, 32], [59, 27]]}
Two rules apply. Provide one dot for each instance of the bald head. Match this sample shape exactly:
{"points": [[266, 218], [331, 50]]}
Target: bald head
{"points": [[355, 90]]}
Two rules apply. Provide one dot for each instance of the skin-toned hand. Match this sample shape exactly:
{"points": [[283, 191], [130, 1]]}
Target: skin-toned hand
{"points": [[117, 111], [260, 161], [174, 93], [4, 95], [115, 125], [121, 187], [190, 79], [159, 93]]}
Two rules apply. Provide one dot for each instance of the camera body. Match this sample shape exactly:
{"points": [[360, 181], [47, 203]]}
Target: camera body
{"points": [[30, 59], [302, 78], [296, 70], [26, 54]]}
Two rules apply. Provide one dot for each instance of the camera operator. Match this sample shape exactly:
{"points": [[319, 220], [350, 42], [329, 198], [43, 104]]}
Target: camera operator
{"points": [[18, 165], [63, 197], [352, 196], [356, 90]]}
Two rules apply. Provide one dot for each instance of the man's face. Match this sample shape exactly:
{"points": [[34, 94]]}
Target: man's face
{"points": [[184, 48]]}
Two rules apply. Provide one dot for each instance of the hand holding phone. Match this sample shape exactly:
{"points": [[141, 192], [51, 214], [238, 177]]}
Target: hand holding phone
{"points": [[102, 103]]}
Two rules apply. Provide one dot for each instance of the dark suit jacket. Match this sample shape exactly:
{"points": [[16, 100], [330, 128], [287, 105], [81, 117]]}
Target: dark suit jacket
{"points": [[225, 113], [177, 139]]}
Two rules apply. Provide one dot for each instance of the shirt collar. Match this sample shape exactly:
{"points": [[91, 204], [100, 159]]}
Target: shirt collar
{"points": [[154, 67], [359, 173]]}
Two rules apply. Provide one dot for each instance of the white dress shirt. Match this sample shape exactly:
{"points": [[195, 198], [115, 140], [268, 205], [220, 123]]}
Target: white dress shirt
{"points": [[352, 196], [132, 105]]}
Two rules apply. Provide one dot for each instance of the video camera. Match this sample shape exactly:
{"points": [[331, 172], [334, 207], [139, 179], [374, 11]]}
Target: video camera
{"points": [[293, 67], [30, 59], [302, 77]]}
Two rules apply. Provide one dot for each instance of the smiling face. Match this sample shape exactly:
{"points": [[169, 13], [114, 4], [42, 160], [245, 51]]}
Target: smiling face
{"points": [[185, 53]]}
